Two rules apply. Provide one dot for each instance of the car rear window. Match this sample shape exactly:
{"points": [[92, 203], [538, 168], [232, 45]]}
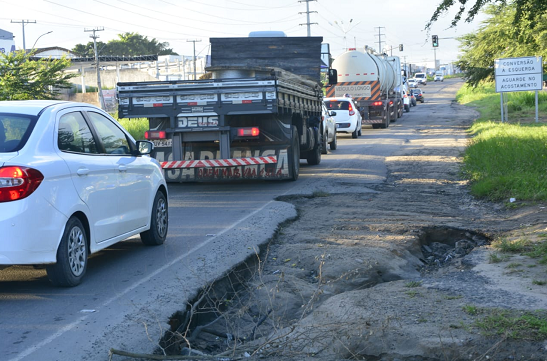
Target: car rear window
{"points": [[14, 131], [337, 105]]}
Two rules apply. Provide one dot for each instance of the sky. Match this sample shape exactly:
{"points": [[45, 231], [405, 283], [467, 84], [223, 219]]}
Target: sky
{"points": [[342, 23]]}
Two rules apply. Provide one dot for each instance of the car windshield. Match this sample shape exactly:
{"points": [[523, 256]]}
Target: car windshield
{"points": [[14, 131], [337, 104]]}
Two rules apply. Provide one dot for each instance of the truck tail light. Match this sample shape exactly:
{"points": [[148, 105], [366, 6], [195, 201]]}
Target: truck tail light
{"points": [[376, 104], [18, 182], [155, 134], [248, 132]]}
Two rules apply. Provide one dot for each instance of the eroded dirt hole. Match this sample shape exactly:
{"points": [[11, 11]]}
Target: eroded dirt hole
{"points": [[442, 245]]}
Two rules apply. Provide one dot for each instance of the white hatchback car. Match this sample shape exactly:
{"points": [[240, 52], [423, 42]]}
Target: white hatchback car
{"points": [[347, 116], [72, 182], [329, 131]]}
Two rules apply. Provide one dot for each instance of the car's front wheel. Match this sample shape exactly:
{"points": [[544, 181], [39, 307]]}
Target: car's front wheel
{"points": [[159, 222], [71, 256]]}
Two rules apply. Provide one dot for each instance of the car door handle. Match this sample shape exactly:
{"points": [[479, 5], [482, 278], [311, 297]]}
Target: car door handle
{"points": [[122, 168], [82, 171]]}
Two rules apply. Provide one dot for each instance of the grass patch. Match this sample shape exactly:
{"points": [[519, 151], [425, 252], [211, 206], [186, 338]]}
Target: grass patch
{"points": [[539, 283], [512, 246], [412, 284], [506, 160], [412, 293], [495, 257], [514, 325], [135, 126], [471, 310]]}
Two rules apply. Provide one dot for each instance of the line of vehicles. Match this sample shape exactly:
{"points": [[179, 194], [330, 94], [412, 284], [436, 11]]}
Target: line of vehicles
{"points": [[73, 181], [261, 107]]}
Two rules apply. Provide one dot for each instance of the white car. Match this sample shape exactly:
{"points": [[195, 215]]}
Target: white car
{"points": [[406, 101], [72, 182], [412, 83], [329, 131], [439, 77], [421, 79], [347, 116]]}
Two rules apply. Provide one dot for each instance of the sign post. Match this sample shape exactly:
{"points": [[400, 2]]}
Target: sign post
{"points": [[519, 74]]}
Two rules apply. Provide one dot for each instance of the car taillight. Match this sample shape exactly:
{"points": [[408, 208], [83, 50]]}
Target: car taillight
{"points": [[18, 182], [351, 111], [155, 134]]}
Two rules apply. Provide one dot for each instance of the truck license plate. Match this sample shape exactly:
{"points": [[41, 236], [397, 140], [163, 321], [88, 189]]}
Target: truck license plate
{"points": [[163, 142]]}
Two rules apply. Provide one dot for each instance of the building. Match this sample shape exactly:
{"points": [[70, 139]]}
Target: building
{"points": [[7, 45]]}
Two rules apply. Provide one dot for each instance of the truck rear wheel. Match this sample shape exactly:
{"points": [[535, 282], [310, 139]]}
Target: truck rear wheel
{"points": [[294, 155], [387, 121], [314, 156], [324, 139]]}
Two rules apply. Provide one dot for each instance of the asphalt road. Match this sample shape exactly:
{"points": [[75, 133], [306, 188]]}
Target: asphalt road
{"points": [[130, 290]]}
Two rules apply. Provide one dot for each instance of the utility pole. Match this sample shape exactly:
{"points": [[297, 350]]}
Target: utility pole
{"points": [[23, 22], [380, 38], [99, 86], [194, 41], [307, 15]]}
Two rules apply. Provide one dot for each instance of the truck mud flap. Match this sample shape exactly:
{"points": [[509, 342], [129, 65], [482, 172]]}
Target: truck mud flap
{"points": [[268, 163]]}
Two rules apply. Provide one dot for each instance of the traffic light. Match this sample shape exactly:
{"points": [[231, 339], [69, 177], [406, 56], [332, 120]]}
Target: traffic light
{"points": [[435, 41], [400, 47]]}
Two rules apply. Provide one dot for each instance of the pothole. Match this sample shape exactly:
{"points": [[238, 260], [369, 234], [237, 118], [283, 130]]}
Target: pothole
{"points": [[253, 300], [442, 245]]}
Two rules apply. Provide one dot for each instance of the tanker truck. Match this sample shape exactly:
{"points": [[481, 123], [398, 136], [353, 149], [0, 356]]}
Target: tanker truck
{"points": [[374, 82], [255, 114]]}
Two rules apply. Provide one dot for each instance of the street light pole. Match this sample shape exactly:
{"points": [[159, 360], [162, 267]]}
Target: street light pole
{"points": [[49, 32]]}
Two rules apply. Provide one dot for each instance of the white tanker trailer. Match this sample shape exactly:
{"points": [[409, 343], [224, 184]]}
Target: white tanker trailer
{"points": [[374, 82]]}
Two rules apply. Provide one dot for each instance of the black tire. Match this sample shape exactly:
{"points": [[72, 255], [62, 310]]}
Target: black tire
{"points": [[334, 144], [423, 101], [387, 121], [360, 132], [407, 108], [294, 155], [355, 133], [71, 256], [314, 156], [159, 222], [324, 138]]}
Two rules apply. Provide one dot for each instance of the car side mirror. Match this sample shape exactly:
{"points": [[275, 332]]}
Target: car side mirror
{"points": [[333, 76], [144, 147]]}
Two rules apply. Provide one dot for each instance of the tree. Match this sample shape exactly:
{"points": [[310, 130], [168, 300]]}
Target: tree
{"points": [[130, 44], [500, 37], [22, 78], [87, 49], [525, 9]]}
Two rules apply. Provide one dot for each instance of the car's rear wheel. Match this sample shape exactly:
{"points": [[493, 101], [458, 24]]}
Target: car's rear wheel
{"points": [[71, 256], [159, 222], [407, 108]]}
